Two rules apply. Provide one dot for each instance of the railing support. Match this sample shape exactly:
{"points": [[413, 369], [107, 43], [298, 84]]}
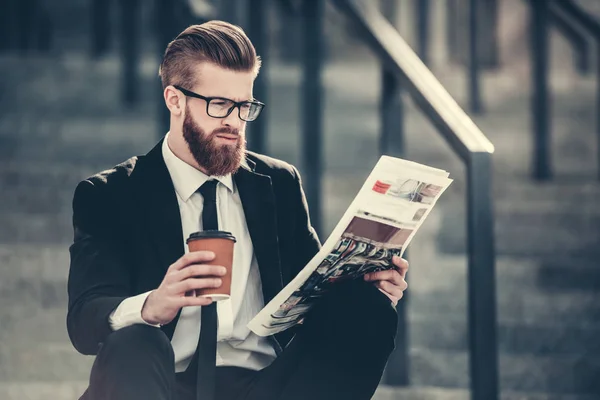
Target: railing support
{"points": [[312, 105], [575, 37], [130, 51], [100, 27], [391, 142], [258, 31], [592, 26], [598, 106], [481, 275], [542, 169], [474, 89], [423, 8], [452, 30], [8, 26], [167, 30], [228, 10]]}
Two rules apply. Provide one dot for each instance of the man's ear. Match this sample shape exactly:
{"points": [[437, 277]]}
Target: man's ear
{"points": [[174, 101]]}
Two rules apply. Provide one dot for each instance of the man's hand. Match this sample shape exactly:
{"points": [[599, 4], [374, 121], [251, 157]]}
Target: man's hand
{"points": [[184, 275], [391, 282]]}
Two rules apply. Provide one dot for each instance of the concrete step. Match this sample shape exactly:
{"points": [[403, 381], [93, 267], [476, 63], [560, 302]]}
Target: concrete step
{"points": [[440, 332], [43, 284], [69, 390], [36, 229], [560, 191], [432, 270], [23, 325], [521, 305], [52, 362], [542, 234], [567, 374], [385, 392], [42, 390]]}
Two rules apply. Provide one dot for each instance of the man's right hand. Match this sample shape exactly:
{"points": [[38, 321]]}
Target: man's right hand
{"points": [[184, 275]]}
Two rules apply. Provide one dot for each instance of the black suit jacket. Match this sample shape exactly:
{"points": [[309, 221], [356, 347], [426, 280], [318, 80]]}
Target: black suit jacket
{"points": [[127, 232]]}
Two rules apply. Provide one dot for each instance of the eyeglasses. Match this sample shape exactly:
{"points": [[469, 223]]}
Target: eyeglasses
{"points": [[220, 107]]}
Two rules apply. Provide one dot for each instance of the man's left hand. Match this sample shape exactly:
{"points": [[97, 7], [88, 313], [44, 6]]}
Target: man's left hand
{"points": [[391, 282]]}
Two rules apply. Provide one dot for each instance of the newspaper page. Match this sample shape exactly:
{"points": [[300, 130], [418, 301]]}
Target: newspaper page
{"points": [[395, 199]]}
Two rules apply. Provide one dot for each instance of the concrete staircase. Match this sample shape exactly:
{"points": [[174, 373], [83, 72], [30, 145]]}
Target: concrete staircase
{"points": [[63, 122]]}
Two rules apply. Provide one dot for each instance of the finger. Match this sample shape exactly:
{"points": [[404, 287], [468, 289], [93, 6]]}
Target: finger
{"points": [[193, 257], [387, 275], [397, 279], [198, 270], [401, 264], [390, 289], [193, 301], [194, 283]]}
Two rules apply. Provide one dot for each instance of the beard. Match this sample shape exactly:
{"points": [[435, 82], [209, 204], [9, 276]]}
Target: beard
{"points": [[217, 160]]}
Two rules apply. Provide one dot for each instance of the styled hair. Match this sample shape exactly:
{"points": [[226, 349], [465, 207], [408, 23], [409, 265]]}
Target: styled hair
{"points": [[218, 42]]}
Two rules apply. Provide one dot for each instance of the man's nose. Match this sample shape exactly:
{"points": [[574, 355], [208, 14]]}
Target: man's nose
{"points": [[233, 119]]}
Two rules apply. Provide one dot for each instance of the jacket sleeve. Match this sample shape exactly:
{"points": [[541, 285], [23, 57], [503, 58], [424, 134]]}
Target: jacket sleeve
{"points": [[98, 275], [307, 240]]}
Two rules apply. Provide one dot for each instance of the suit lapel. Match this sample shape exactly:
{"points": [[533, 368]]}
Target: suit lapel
{"points": [[158, 209], [158, 213], [258, 200]]}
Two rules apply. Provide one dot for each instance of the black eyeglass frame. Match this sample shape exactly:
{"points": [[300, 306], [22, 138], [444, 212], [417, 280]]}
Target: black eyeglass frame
{"points": [[237, 104]]}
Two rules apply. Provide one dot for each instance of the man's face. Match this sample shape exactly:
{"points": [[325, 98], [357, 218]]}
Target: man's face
{"points": [[217, 144]]}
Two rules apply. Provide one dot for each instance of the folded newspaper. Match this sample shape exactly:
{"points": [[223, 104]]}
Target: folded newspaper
{"points": [[379, 223]]}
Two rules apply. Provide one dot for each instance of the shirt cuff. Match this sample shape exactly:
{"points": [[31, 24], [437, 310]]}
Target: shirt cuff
{"points": [[129, 312]]}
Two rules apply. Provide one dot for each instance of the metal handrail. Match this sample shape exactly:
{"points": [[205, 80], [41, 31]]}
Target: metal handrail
{"points": [[588, 22], [578, 19], [577, 38], [592, 26], [473, 147], [452, 121]]}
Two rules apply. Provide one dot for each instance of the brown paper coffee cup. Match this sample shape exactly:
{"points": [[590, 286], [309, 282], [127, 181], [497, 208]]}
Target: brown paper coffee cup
{"points": [[221, 243]]}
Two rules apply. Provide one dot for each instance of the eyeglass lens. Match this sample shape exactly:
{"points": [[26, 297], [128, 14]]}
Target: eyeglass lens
{"points": [[219, 108]]}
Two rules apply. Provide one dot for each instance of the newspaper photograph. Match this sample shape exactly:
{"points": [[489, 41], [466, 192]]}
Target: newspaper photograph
{"points": [[380, 222]]}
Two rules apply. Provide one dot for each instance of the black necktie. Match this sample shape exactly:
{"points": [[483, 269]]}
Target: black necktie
{"points": [[207, 344]]}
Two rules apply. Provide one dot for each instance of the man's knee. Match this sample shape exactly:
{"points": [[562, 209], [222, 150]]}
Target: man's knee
{"points": [[355, 310], [139, 341]]}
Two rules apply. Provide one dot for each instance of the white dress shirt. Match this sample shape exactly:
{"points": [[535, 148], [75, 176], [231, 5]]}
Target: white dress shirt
{"points": [[236, 344]]}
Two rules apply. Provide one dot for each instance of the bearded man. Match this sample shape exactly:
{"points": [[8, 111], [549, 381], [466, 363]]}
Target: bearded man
{"points": [[131, 269]]}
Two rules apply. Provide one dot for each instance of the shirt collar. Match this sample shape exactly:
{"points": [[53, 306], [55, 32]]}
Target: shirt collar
{"points": [[187, 179]]}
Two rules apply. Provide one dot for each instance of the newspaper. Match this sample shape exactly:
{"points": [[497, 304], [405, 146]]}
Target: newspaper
{"points": [[379, 223]]}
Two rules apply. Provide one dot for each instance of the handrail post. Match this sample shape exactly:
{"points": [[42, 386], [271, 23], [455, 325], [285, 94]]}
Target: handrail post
{"points": [[423, 8], [598, 104], [166, 26], [591, 26], [312, 107], [100, 27], [391, 139], [474, 88], [540, 101], [8, 26], [130, 51], [452, 31], [481, 279], [576, 38], [391, 142], [228, 10], [258, 32]]}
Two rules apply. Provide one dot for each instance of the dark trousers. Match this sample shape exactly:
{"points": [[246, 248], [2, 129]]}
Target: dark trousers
{"points": [[338, 353]]}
